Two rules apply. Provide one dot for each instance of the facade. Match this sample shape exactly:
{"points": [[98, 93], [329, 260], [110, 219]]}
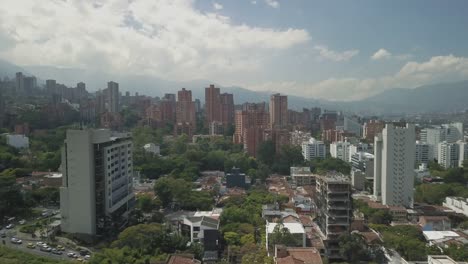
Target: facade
{"points": [[97, 191], [19, 83], [394, 153], [212, 105], [313, 149], [372, 128], [340, 150], [236, 179], [334, 210], [227, 109], [298, 137], [279, 137], [185, 113], [450, 133], [250, 125], [278, 111], [448, 154], [422, 152], [353, 126], [30, 84], [113, 97], [296, 229], [457, 204], [17, 141], [364, 162], [302, 176]]}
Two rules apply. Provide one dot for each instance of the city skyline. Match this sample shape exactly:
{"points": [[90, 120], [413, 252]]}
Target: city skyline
{"points": [[301, 48]]}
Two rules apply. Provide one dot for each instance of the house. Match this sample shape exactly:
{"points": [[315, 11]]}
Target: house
{"points": [[435, 223], [182, 259], [457, 204], [297, 255]]}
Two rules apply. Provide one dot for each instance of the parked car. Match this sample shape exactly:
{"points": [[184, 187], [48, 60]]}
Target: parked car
{"points": [[10, 226], [87, 257], [56, 251], [84, 252], [46, 249], [71, 255], [60, 248], [31, 245], [22, 222]]}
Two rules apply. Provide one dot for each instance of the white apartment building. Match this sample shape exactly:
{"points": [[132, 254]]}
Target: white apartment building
{"points": [[422, 153], [340, 150], [313, 149], [435, 135], [448, 154], [97, 187], [457, 204], [17, 141], [394, 165]]}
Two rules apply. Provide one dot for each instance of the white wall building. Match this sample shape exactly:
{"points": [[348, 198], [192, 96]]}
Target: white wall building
{"points": [[17, 141], [340, 150], [394, 165], [313, 149], [457, 204], [435, 135], [448, 154], [296, 229], [152, 148], [97, 188]]}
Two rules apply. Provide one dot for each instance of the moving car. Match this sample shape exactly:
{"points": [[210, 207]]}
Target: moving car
{"points": [[10, 226], [72, 255], [46, 249], [60, 248], [22, 222], [56, 251], [15, 240], [87, 257]]}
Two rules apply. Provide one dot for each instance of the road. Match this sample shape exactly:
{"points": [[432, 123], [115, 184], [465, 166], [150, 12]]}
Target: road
{"points": [[23, 247]]}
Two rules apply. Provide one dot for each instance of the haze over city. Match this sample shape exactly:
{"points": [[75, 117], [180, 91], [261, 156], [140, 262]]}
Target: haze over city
{"points": [[321, 49]]}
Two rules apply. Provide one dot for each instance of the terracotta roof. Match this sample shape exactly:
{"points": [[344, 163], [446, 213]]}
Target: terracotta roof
{"points": [[182, 260], [306, 255], [288, 260], [370, 237]]}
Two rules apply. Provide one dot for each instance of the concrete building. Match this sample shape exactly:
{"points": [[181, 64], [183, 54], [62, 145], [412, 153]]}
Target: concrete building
{"points": [[236, 179], [279, 137], [457, 204], [340, 150], [298, 137], [448, 154], [212, 105], [97, 190], [302, 176], [112, 97], [438, 134], [394, 156], [29, 84], [364, 162], [334, 210], [278, 111], [422, 152], [352, 125], [17, 141], [296, 229], [358, 179], [313, 149], [19, 83]]}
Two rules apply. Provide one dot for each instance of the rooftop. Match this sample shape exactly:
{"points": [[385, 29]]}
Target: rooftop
{"points": [[294, 228], [436, 235]]}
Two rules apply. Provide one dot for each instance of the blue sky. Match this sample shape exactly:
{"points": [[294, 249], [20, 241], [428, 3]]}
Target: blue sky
{"points": [[337, 50]]}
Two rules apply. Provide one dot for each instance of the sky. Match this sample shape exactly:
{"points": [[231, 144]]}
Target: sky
{"points": [[335, 50]]}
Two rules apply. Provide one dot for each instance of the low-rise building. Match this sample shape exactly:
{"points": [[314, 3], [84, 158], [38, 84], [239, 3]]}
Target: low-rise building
{"points": [[457, 204], [152, 148], [313, 149], [435, 223], [296, 229], [297, 255], [302, 176], [17, 141], [236, 179]]}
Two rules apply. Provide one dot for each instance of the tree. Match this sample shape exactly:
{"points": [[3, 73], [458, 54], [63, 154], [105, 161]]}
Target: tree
{"points": [[231, 238], [353, 248], [282, 236], [145, 203], [266, 152]]}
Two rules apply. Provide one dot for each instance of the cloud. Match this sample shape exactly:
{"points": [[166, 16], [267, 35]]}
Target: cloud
{"points": [[382, 54], [217, 6], [253, 2], [332, 55], [411, 75], [170, 39], [272, 3]]}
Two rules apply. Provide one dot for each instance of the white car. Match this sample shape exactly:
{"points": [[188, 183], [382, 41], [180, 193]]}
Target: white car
{"points": [[87, 257], [15, 240], [10, 226], [41, 244], [22, 222]]}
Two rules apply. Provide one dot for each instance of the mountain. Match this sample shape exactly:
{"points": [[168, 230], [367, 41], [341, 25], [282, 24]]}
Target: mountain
{"points": [[444, 97]]}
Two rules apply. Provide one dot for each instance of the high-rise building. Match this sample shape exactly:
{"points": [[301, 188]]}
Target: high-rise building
{"points": [[279, 137], [250, 125], [352, 125], [227, 109], [29, 84], [212, 105], [452, 155], [394, 152], [278, 111], [340, 150], [113, 97], [313, 149], [185, 113], [334, 207], [422, 153], [97, 192], [434, 135], [19, 84], [372, 128]]}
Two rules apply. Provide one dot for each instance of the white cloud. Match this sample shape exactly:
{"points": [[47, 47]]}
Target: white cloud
{"points": [[165, 38], [329, 54], [381, 54], [272, 3], [217, 6], [411, 75], [253, 2]]}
